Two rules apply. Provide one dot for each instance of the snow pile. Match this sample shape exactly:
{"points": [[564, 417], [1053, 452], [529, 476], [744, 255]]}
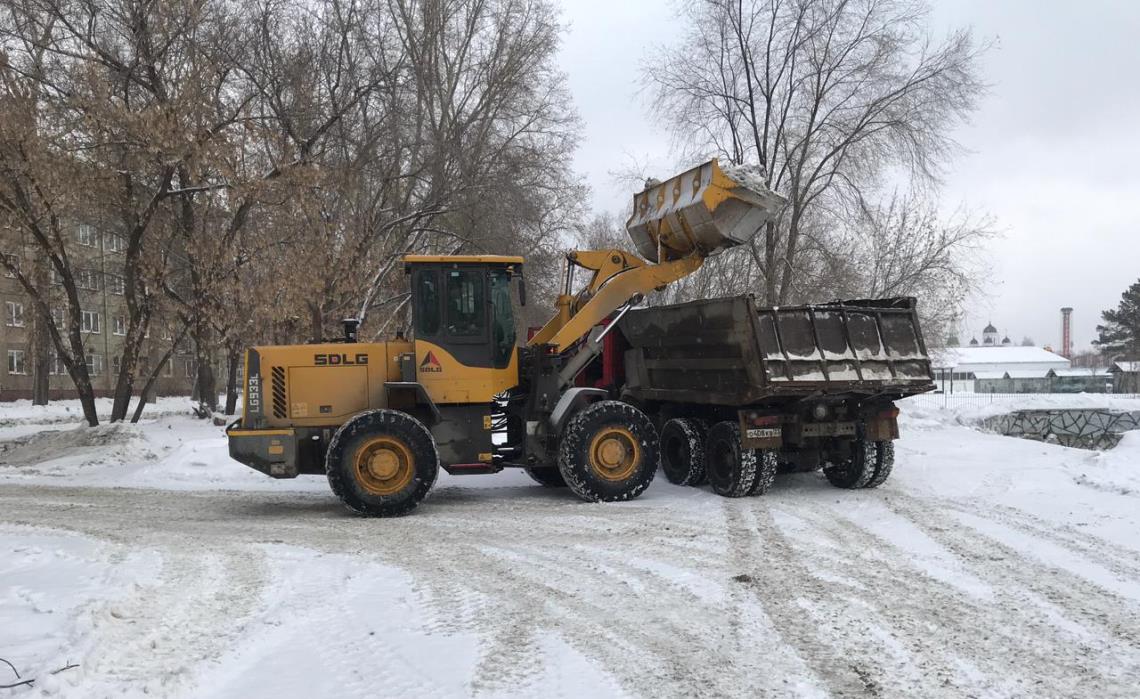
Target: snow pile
{"points": [[928, 412], [21, 412], [1116, 470], [54, 588]]}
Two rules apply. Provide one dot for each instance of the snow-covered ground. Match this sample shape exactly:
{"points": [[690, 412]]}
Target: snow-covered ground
{"points": [[987, 566]]}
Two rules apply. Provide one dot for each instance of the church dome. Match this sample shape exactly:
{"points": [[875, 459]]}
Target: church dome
{"points": [[973, 342], [990, 329]]}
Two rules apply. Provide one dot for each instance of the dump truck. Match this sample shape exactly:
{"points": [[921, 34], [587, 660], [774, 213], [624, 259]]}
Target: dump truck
{"points": [[604, 392]]}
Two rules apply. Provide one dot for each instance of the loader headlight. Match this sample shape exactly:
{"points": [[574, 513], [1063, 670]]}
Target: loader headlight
{"points": [[820, 411]]}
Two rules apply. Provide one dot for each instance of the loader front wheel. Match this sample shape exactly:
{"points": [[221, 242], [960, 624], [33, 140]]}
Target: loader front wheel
{"points": [[683, 451], [608, 452], [382, 463], [732, 470]]}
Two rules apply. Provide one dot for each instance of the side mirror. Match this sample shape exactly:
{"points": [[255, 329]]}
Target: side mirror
{"points": [[522, 291]]}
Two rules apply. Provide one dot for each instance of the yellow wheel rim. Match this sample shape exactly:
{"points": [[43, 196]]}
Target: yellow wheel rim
{"points": [[384, 465], [614, 453]]}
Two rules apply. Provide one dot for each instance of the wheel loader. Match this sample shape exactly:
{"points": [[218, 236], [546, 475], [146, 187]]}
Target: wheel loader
{"points": [[718, 391]]}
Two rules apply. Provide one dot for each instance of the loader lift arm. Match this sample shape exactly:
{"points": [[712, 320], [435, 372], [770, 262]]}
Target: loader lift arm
{"points": [[618, 277]]}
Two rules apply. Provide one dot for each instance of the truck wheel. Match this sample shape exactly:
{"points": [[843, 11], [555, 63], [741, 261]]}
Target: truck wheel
{"points": [[683, 451], [767, 463], [548, 476], [382, 463], [608, 452], [858, 469], [731, 470], [884, 464]]}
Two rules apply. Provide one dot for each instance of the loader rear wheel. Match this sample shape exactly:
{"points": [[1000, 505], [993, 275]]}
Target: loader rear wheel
{"points": [[608, 452], [767, 463], [732, 471], [683, 451], [547, 476], [863, 468], [382, 463]]}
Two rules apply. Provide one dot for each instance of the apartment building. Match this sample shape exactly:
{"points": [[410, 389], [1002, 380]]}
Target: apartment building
{"points": [[97, 256]]}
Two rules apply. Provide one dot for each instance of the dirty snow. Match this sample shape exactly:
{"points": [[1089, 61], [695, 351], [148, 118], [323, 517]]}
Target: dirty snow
{"points": [[987, 566]]}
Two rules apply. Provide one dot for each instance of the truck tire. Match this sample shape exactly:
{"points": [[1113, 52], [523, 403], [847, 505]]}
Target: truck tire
{"points": [[767, 463], [609, 452], [731, 470], [546, 476], [382, 463], [884, 464], [683, 451], [858, 470]]}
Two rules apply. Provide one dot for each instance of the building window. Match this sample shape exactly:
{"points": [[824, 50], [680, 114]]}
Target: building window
{"points": [[12, 261], [55, 366], [116, 284], [87, 279], [116, 362], [88, 236], [16, 362], [90, 322], [115, 243], [168, 368], [94, 364], [166, 333], [120, 327], [189, 369], [56, 277], [59, 318], [14, 315]]}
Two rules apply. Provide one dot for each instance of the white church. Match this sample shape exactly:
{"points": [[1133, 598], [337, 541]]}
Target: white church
{"points": [[994, 362]]}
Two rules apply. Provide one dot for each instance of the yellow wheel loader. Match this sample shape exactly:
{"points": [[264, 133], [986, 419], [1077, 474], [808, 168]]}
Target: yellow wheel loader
{"points": [[581, 404]]}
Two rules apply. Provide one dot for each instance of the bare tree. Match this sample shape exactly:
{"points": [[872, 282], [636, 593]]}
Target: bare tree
{"points": [[825, 96]]}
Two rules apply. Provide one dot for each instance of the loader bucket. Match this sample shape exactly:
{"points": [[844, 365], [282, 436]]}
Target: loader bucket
{"points": [[701, 211]]}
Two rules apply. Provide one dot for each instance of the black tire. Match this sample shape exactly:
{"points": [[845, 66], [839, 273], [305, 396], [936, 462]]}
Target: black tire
{"points": [[767, 463], [858, 470], [546, 476], [407, 469], [608, 452], [731, 470], [683, 451], [883, 465]]}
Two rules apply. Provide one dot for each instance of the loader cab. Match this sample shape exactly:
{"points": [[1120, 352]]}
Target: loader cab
{"points": [[464, 326]]}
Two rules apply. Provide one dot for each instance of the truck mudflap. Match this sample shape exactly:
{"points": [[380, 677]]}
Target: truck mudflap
{"points": [[272, 452]]}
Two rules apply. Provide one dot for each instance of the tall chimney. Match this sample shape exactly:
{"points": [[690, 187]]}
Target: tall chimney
{"points": [[1067, 332]]}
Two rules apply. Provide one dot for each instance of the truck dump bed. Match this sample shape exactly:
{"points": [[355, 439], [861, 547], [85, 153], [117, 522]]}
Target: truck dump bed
{"points": [[732, 352]]}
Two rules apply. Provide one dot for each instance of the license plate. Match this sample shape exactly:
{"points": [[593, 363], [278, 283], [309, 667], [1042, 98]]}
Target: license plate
{"points": [[762, 433]]}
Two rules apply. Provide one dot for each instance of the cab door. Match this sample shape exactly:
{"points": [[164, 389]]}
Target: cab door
{"points": [[463, 355]]}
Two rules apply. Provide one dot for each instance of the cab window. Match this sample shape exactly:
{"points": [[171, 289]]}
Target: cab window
{"points": [[502, 321], [427, 303], [466, 305]]}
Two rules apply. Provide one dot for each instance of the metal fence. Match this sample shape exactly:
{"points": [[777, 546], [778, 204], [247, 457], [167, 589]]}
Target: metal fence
{"points": [[971, 400]]}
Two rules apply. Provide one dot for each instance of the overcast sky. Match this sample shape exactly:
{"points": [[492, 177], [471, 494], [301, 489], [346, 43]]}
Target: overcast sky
{"points": [[1052, 151]]}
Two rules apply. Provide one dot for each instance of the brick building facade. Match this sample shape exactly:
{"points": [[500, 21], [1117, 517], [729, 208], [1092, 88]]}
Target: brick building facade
{"points": [[97, 259]]}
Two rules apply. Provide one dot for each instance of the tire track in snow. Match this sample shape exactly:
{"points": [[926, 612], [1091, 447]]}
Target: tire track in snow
{"points": [[1106, 663], [1015, 648]]}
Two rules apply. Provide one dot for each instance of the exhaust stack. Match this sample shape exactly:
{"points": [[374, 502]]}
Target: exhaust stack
{"points": [[1067, 332]]}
